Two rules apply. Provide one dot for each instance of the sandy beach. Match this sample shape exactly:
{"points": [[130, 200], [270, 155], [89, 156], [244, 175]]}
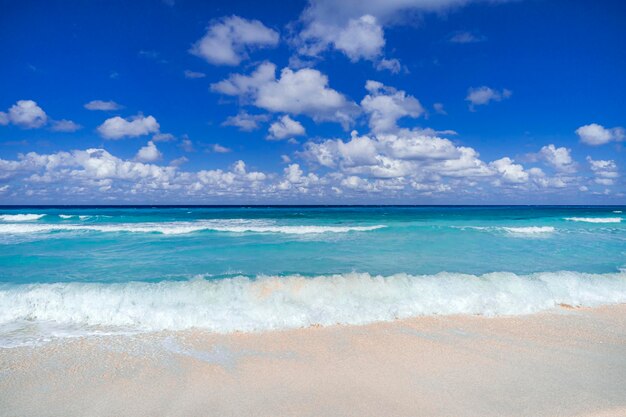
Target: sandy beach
{"points": [[569, 362]]}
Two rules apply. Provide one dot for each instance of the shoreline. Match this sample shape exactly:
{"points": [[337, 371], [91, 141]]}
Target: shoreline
{"points": [[566, 362]]}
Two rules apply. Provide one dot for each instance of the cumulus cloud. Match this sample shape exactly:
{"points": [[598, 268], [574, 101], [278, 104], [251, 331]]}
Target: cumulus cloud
{"points": [[356, 27], [118, 128], [102, 105], [65, 126], [605, 171], [284, 128], [227, 41], [304, 91], [595, 134], [246, 122], [481, 96], [559, 158], [25, 114], [148, 153], [386, 105]]}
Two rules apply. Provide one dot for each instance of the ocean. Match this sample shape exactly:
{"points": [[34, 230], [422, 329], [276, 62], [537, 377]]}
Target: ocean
{"points": [[95, 271]]}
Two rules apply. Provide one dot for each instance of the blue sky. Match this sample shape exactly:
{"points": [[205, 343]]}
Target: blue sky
{"points": [[403, 101]]}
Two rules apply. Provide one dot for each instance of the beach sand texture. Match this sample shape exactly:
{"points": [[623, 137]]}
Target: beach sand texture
{"points": [[570, 362]]}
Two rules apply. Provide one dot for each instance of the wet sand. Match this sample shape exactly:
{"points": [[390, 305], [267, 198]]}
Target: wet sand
{"points": [[569, 362]]}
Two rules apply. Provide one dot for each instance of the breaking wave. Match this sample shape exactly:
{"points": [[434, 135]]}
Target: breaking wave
{"points": [[595, 219], [20, 217], [281, 302]]}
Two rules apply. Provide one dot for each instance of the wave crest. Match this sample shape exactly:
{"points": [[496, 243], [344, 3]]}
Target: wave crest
{"points": [[595, 219], [276, 302], [20, 217]]}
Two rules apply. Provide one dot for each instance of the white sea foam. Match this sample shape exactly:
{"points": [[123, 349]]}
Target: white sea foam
{"points": [[595, 219], [176, 228], [73, 216], [617, 211], [274, 302], [20, 217], [520, 231], [530, 230]]}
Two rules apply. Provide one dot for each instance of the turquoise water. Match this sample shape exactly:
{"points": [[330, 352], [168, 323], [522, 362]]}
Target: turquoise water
{"points": [[227, 269]]}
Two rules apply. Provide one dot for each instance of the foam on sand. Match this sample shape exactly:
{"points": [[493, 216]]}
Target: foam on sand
{"points": [[595, 219], [281, 302], [20, 217]]}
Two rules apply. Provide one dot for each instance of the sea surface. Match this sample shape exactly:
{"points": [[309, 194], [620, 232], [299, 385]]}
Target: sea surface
{"points": [[77, 271]]}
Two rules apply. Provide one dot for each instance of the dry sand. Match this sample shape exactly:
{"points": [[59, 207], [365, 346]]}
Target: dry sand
{"points": [[570, 362]]}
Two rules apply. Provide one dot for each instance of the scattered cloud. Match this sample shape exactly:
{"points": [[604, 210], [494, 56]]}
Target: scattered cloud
{"points": [[163, 137], [439, 109], [284, 128], [385, 105], [228, 40], [193, 74], [481, 96], [64, 126], [25, 114], [466, 37], [605, 171], [559, 158], [119, 128], [217, 148], [148, 153], [392, 65], [356, 28], [102, 105], [594, 134], [246, 122], [301, 92]]}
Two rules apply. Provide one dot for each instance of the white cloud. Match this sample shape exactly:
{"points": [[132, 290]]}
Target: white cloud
{"points": [[217, 148], [466, 37], [163, 137], [392, 65], [193, 74], [102, 105], [385, 105], [483, 95], [605, 171], [362, 38], [65, 126], [118, 128], [439, 109], [148, 153], [510, 172], [285, 127], [304, 91], [186, 144], [246, 122], [25, 114], [559, 158], [356, 27], [227, 41], [595, 134]]}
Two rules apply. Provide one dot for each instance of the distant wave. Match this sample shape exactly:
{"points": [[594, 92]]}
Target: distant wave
{"points": [[175, 228], [617, 211], [595, 219], [521, 231], [530, 230], [20, 217], [72, 216], [279, 302]]}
